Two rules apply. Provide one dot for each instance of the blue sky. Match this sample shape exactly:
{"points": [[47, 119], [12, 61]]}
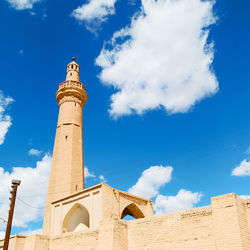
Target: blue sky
{"points": [[169, 96]]}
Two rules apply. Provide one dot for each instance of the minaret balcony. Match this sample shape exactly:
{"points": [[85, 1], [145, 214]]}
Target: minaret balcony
{"points": [[71, 84], [71, 91]]}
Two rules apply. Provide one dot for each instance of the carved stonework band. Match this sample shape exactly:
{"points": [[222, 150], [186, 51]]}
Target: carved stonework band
{"points": [[71, 91]]}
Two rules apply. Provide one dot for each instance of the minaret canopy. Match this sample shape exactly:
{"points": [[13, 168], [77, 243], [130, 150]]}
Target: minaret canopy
{"points": [[73, 71]]}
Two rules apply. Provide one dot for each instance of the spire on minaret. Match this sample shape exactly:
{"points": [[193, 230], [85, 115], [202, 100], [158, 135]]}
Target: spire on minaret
{"points": [[73, 71]]}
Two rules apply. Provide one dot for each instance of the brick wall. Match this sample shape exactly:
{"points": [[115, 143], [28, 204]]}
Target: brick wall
{"points": [[222, 226], [191, 229]]}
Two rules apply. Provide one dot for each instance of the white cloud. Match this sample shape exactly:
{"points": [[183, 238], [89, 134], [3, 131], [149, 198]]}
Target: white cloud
{"points": [[28, 232], [248, 150], [245, 196], [87, 173], [44, 16], [162, 59], [22, 4], [148, 185], [243, 169], [35, 152], [151, 180], [5, 119], [33, 191], [2, 234], [183, 200], [20, 52], [102, 178], [31, 232], [94, 13]]}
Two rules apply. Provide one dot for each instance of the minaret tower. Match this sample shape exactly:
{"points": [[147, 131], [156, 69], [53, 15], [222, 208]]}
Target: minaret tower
{"points": [[67, 170]]}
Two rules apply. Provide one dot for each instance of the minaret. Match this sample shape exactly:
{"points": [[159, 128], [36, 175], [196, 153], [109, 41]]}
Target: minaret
{"points": [[67, 170]]}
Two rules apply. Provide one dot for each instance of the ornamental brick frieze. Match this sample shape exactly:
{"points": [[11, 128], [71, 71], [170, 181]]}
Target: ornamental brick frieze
{"points": [[74, 84], [196, 213], [71, 91]]}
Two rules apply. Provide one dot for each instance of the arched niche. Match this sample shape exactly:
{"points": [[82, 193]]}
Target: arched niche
{"points": [[76, 219], [132, 210]]}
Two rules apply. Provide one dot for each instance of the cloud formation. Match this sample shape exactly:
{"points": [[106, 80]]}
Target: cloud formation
{"points": [[34, 152], [102, 178], [5, 119], [33, 191], [2, 234], [28, 232], [162, 59], [87, 173], [183, 200], [245, 196], [31, 232], [248, 150], [22, 4], [151, 180], [243, 169], [94, 13], [148, 187]]}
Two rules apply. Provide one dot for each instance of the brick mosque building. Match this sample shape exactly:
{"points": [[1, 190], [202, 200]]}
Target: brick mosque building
{"points": [[92, 219]]}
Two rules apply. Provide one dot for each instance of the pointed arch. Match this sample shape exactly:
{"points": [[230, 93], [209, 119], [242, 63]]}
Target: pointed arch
{"points": [[76, 218], [133, 211]]}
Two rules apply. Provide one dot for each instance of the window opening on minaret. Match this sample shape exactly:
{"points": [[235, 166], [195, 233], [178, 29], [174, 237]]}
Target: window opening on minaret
{"points": [[66, 137], [75, 103], [76, 186]]}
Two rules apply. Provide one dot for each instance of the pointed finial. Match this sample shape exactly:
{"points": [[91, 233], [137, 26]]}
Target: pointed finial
{"points": [[74, 58]]}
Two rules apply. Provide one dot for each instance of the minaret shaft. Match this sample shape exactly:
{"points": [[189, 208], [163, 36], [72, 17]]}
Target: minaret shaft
{"points": [[67, 173], [67, 169]]}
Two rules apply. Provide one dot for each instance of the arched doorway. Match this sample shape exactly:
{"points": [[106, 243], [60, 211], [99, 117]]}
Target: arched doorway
{"points": [[77, 219], [132, 211]]}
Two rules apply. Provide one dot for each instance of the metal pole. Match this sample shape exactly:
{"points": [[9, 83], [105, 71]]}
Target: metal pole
{"points": [[15, 184]]}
